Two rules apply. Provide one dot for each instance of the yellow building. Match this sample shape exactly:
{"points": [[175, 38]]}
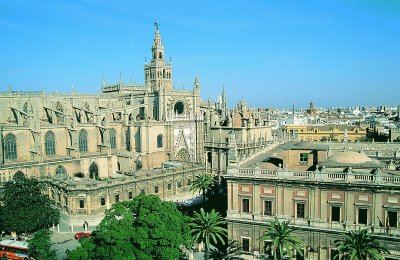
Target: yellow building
{"points": [[338, 133]]}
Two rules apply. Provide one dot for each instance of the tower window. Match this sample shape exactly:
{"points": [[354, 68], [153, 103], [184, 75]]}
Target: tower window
{"points": [[160, 55]]}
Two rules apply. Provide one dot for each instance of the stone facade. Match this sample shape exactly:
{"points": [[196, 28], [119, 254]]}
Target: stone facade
{"points": [[88, 147], [241, 129]]}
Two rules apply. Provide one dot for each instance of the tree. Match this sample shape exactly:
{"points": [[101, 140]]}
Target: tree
{"points": [[281, 240], [229, 252], [39, 247], [26, 207], [206, 225], [144, 228], [359, 245], [202, 183]]}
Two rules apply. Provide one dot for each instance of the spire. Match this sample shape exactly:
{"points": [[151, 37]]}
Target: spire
{"points": [[157, 43]]}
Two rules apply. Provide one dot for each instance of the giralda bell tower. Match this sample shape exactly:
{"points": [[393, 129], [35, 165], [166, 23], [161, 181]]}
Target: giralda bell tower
{"points": [[158, 74]]}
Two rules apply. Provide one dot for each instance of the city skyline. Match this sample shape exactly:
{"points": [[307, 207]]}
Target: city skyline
{"points": [[336, 53]]}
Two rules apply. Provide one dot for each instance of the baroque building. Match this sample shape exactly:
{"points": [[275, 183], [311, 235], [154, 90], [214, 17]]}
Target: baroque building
{"points": [[93, 150], [325, 190]]}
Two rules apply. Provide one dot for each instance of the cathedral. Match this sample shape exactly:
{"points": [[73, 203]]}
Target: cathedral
{"points": [[96, 149]]}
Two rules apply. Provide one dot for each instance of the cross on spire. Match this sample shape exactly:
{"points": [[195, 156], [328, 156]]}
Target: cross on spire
{"points": [[156, 24]]}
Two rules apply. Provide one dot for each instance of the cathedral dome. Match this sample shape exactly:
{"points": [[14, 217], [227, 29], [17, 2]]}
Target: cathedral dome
{"points": [[349, 157], [356, 160]]}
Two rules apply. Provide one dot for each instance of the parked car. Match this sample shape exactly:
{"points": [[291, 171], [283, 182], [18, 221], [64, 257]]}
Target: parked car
{"points": [[81, 234]]}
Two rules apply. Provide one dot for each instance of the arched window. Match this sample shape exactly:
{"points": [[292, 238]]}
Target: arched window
{"points": [[10, 147], [50, 143], [19, 175], [128, 139], [61, 172], [93, 171], [113, 138], [160, 55], [159, 141], [83, 141]]}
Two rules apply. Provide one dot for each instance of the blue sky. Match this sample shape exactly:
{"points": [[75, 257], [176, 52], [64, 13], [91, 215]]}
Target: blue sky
{"points": [[272, 53]]}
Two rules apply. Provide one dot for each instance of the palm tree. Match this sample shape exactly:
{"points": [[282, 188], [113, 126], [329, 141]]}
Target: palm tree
{"points": [[359, 245], [202, 183], [229, 252], [282, 241], [206, 226]]}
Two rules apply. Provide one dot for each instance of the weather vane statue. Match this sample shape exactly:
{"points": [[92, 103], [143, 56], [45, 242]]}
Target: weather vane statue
{"points": [[156, 24]]}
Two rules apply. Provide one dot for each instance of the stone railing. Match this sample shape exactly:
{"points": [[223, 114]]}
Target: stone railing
{"points": [[319, 224], [269, 146], [88, 184], [317, 176]]}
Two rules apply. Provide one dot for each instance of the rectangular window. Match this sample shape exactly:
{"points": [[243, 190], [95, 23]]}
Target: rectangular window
{"points": [[246, 244], [304, 157], [246, 205], [102, 201], [179, 184], [335, 214], [169, 186], [334, 254], [362, 216], [81, 204], [189, 182], [155, 189], [130, 195], [267, 252], [300, 210], [299, 256], [392, 215], [116, 197], [142, 191], [268, 207]]}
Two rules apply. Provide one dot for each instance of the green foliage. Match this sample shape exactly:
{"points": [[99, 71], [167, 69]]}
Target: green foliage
{"points": [[207, 226], [202, 183], [39, 247], [84, 252], [230, 251], [26, 207], [282, 242], [359, 245], [144, 228]]}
